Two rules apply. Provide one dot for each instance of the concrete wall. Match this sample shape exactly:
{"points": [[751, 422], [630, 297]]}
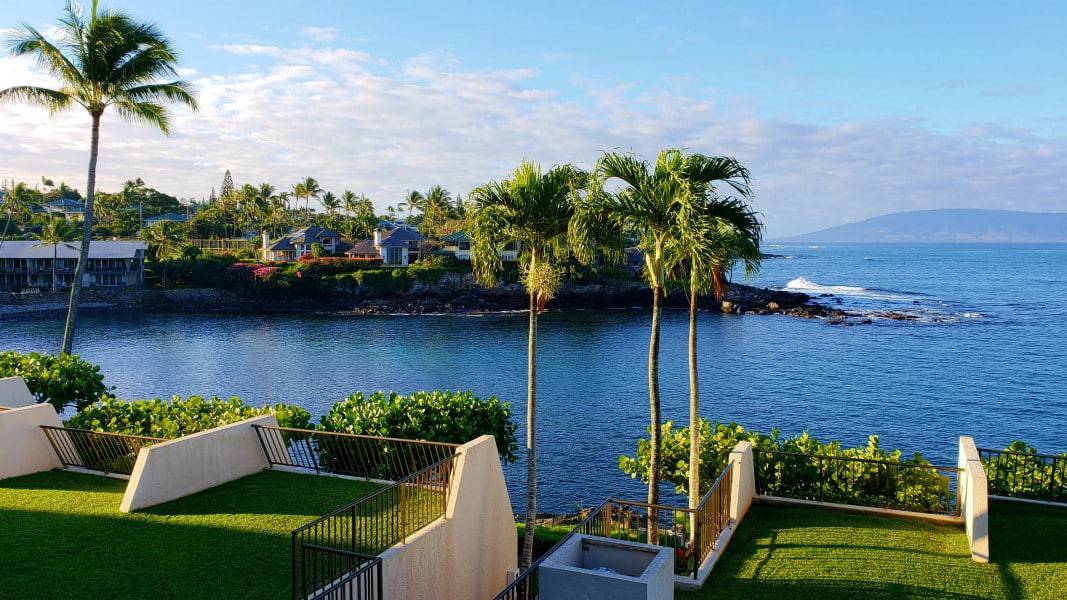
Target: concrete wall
{"points": [[974, 499], [24, 449], [177, 468], [14, 393], [744, 482], [467, 554]]}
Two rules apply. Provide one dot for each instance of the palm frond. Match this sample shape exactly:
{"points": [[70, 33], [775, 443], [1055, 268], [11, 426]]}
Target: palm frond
{"points": [[148, 113], [180, 92], [53, 100]]}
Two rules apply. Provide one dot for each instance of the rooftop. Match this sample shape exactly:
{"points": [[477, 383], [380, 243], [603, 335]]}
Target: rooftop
{"points": [[97, 249], [232, 541]]}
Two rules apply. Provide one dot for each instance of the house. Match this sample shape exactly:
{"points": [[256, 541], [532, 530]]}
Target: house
{"points": [[165, 217], [459, 244], [66, 207], [397, 247], [28, 264], [297, 243]]}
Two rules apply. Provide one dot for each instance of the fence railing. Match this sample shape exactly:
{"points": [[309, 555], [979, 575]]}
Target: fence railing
{"points": [[911, 487], [692, 532], [1025, 475], [365, 456], [95, 450], [360, 579], [369, 525]]}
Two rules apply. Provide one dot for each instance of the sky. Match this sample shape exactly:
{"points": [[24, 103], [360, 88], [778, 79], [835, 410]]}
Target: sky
{"points": [[841, 110]]}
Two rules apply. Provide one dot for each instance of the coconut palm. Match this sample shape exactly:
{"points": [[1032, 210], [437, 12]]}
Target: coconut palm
{"points": [[53, 233], [311, 190], [535, 209], [164, 239], [107, 60], [350, 202], [15, 204], [331, 203], [412, 202], [646, 208]]}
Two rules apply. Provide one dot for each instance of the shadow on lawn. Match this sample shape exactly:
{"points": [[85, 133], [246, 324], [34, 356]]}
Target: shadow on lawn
{"points": [[1027, 533]]}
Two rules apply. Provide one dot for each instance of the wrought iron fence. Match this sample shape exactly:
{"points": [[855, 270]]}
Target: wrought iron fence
{"points": [[1025, 475], [691, 532], [349, 454], [912, 487], [97, 450], [369, 525], [360, 579]]}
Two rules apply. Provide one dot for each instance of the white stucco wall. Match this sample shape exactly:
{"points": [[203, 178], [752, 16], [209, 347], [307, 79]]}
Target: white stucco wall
{"points": [[974, 499], [744, 481], [24, 449], [14, 393], [465, 555], [177, 468]]}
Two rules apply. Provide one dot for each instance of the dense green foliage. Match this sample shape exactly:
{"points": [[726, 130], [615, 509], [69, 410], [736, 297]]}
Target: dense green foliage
{"points": [[1020, 473], [439, 416], [846, 481], [178, 416], [54, 522], [61, 379]]}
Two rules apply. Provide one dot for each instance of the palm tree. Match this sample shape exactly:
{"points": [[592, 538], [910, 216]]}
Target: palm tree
{"points": [[14, 204], [534, 209], [412, 201], [436, 206], [164, 240], [55, 232], [714, 233], [646, 208], [350, 202], [331, 203], [311, 189], [110, 60]]}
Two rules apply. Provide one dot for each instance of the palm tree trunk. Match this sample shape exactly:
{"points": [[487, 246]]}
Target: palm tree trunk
{"points": [[531, 435], [87, 236], [694, 413], [653, 399]]}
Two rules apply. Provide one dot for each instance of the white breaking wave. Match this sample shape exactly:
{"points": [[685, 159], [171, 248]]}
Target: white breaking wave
{"points": [[805, 285]]}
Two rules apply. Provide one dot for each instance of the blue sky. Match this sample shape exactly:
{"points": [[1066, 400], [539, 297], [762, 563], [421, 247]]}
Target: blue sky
{"points": [[843, 110]]}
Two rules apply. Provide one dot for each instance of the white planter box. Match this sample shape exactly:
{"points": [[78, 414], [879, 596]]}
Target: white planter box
{"points": [[594, 568]]}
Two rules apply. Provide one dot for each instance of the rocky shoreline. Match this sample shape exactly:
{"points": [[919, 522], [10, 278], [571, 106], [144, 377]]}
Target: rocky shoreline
{"points": [[449, 296]]}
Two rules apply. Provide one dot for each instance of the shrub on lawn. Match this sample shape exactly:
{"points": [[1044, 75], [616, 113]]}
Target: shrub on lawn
{"points": [[178, 416], [439, 416], [61, 379], [795, 476]]}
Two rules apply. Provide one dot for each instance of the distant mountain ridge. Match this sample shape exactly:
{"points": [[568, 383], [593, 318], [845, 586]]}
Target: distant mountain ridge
{"points": [[947, 225]]}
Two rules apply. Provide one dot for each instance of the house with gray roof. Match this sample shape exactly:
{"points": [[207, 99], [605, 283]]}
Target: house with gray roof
{"points": [[459, 244], [165, 217], [65, 206], [299, 242], [30, 265], [397, 247]]}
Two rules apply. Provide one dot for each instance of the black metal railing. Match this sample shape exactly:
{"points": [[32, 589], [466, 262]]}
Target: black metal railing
{"points": [[691, 532], [360, 579], [1025, 475], [370, 525], [911, 487], [365, 456], [114, 453]]}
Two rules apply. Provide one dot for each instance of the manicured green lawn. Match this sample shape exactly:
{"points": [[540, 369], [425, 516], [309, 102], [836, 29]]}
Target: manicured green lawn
{"points": [[62, 536], [800, 552]]}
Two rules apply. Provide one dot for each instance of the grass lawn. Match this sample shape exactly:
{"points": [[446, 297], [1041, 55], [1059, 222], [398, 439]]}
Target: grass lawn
{"points": [[801, 552], [62, 536]]}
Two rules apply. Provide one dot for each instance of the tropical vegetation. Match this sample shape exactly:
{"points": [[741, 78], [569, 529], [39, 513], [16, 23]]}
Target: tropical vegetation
{"points": [[106, 60], [178, 416], [60, 379]]}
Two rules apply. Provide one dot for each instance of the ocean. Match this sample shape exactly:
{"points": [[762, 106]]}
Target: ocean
{"points": [[983, 355]]}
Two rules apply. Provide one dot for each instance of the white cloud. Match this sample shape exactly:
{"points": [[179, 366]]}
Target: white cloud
{"points": [[355, 122], [320, 34]]}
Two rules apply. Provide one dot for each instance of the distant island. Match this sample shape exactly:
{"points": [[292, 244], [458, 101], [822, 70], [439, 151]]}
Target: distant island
{"points": [[947, 225]]}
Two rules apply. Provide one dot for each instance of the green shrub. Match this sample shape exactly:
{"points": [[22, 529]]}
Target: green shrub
{"points": [[438, 416], [1018, 473], [426, 273], [383, 282], [61, 379], [846, 481], [178, 416]]}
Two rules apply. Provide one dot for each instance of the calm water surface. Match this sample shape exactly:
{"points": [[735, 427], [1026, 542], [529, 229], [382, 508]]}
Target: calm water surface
{"points": [[986, 358]]}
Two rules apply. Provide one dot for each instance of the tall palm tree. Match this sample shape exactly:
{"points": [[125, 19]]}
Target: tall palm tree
{"points": [[331, 203], [646, 208], [713, 233], [350, 202], [15, 204], [413, 201], [163, 239], [311, 189], [108, 60], [53, 233], [534, 209], [436, 206]]}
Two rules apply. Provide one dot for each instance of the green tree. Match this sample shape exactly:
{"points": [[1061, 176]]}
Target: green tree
{"points": [[227, 190], [109, 60], [53, 233], [332, 204], [533, 208], [16, 206], [713, 233], [164, 241]]}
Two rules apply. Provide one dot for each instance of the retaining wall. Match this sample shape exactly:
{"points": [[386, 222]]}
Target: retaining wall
{"points": [[974, 499], [24, 449], [14, 393]]}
